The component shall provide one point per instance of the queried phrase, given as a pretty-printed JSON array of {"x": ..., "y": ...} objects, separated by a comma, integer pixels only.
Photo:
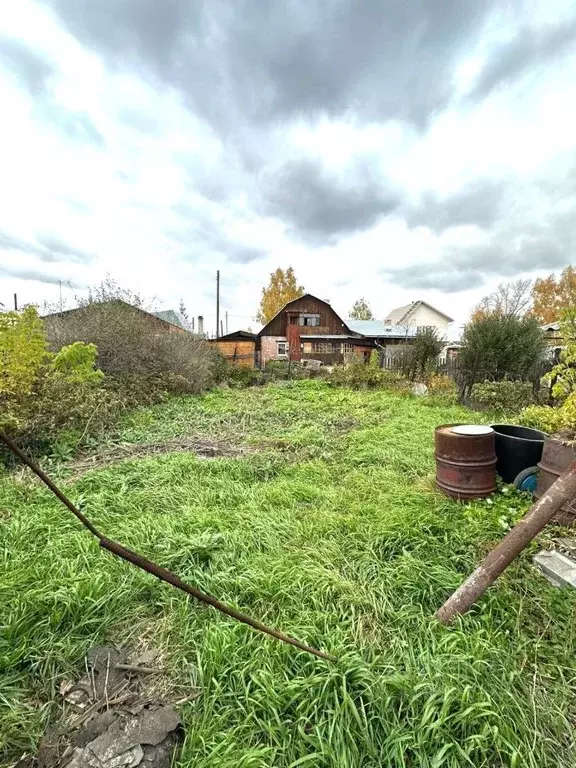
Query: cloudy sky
[{"x": 392, "y": 149}]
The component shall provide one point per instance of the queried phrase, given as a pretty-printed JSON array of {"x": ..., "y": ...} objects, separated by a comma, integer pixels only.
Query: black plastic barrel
[{"x": 517, "y": 448}]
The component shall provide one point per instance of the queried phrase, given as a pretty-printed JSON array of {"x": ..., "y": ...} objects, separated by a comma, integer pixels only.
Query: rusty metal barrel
[
  {"x": 465, "y": 461},
  {"x": 557, "y": 455}
]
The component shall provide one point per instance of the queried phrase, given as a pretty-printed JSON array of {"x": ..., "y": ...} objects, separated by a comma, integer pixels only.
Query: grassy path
[{"x": 331, "y": 531}]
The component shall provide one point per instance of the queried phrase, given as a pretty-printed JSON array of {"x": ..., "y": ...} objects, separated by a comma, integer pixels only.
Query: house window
[
  {"x": 347, "y": 348},
  {"x": 322, "y": 347},
  {"x": 309, "y": 320},
  {"x": 424, "y": 328},
  {"x": 282, "y": 348}
]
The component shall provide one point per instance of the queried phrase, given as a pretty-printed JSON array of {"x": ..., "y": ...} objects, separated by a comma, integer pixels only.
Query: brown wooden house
[
  {"x": 239, "y": 348},
  {"x": 308, "y": 328}
]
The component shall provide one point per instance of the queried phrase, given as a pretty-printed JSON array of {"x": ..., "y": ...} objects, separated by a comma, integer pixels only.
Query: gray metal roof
[
  {"x": 169, "y": 316},
  {"x": 379, "y": 329}
]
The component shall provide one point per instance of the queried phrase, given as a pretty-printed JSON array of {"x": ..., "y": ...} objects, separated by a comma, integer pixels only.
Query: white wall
[{"x": 423, "y": 315}]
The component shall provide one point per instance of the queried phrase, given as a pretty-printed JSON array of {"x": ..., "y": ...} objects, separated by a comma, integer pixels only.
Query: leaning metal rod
[{"x": 147, "y": 565}]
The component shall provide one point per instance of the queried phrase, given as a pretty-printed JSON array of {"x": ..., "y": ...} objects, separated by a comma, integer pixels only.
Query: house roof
[
  {"x": 237, "y": 335},
  {"x": 376, "y": 328},
  {"x": 304, "y": 295},
  {"x": 550, "y": 327},
  {"x": 399, "y": 314},
  {"x": 170, "y": 316}
]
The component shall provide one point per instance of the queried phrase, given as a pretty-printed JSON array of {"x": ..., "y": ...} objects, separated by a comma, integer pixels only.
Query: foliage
[
  {"x": 550, "y": 419},
  {"x": 563, "y": 375},
  {"x": 337, "y": 538},
  {"x": 76, "y": 363},
  {"x": 22, "y": 351},
  {"x": 110, "y": 290},
  {"x": 131, "y": 343},
  {"x": 281, "y": 289},
  {"x": 421, "y": 354},
  {"x": 502, "y": 346},
  {"x": 358, "y": 375},
  {"x": 512, "y": 299},
  {"x": 510, "y": 396},
  {"x": 361, "y": 310},
  {"x": 243, "y": 376},
  {"x": 442, "y": 386},
  {"x": 553, "y": 295}
]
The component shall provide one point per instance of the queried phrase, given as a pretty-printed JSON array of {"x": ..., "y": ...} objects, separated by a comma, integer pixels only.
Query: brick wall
[{"x": 268, "y": 348}]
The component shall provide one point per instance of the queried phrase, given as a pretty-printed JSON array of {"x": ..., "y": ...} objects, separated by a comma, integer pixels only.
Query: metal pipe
[
  {"x": 156, "y": 570},
  {"x": 511, "y": 545}
]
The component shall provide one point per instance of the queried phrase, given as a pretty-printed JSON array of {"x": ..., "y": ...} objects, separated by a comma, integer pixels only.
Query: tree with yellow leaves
[
  {"x": 281, "y": 289},
  {"x": 554, "y": 295}
]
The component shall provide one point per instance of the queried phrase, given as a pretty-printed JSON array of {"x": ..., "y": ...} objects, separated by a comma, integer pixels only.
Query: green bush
[
  {"x": 442, "y": 386},
  {"x": 550, "y": 419},
  {"x": 240, "y": 376},
  {"x": 76, "y": 364},
  {"x": 503, "y": 395},
  {"x": 357, "y": 374}
]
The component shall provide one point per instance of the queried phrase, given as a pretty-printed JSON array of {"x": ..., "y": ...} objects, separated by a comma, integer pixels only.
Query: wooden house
[
  {"x": 239, "y": 348},
  {"x": 308, "y": 328}
]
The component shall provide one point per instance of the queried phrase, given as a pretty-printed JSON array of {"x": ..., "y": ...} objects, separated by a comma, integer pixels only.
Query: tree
[
  {"x": 512, "y": 299},
  {"x": 361, "y": 310},
  {"x": 184, "y": 315},
  {"x": 552, "y": 295},
  {"x": 281, "y": 289},
  {"x": 497, "y": 346},
  {"x": 422, "y": 352}
]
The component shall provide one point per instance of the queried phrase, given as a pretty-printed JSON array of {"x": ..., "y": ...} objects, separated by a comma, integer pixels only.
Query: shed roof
[
  {"x": 237, "y": 336},
  {"x": 170, "y": 316}
]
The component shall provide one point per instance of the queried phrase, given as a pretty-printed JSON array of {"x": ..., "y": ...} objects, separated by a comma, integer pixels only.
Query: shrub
[
  {"x": 357, "y": 374},
  {"x": 550, "y": 419},
  {"x": 241, "y": 376},
  {"x": 419, "y": 356},
  {"x": 442, "y": 386},
  {"x": 76, "y": 364},
  {"x": 132, "y": 342},
  {"x": 503, "y": 395}
]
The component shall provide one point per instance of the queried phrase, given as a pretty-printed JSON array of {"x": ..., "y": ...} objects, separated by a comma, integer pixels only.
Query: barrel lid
[{"x": 472, "y": 429}]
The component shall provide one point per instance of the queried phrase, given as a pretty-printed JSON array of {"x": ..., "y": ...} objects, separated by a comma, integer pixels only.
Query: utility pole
[
  {"x": 16, "y": 302},
  {"x": 226, "y": 322},
  {"x": 60, "y": 284},
  {"x": 217, "y": 303}
]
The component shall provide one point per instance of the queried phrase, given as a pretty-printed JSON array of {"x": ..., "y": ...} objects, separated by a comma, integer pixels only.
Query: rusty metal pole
[{"x": 511, "y": 545}]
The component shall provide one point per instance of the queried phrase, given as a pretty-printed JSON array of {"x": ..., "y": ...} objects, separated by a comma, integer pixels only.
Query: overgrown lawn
[{"x": 331, "y": 530}]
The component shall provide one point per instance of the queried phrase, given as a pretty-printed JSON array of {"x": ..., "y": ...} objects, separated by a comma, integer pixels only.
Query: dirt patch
[
  {"x": 207, "y": 449},
  {"x": 113, "y": 716}
]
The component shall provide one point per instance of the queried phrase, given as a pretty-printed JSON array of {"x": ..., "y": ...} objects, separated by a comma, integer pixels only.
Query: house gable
[{"x": 306, "y": 309}]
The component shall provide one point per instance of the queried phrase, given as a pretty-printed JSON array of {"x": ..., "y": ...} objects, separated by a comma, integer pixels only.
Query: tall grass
[{"x": 333, "y": 533}]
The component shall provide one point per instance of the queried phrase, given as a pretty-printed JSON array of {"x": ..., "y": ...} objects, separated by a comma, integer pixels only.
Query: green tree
[
  {"x": 500, "y": 345},
  {"x": 563, "y": 375},
  {"x": 281, "y": 289},
  {"x": 420, "y": 355},
  {"x": 361, "y": 310}
]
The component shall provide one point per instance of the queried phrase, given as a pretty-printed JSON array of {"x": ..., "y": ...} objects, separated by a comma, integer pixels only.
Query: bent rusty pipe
[{"x": 156, "y": 570}]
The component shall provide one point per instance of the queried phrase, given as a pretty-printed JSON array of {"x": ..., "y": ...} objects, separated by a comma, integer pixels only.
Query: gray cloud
[
  {"x": 47, "y": 248},
  {"x": 33, "y": 70},
  {"x": 511, "y": 252},
  {"x": 34, "y": 274},
  {"x": 321, "y": 207},
  {"x": 530, "y": 48},
  {"x": 480, "y": 204},
  {"x": 379, "y": 59}
]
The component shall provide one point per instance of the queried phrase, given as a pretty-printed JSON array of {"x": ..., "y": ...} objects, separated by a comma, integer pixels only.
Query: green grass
[{"x": 332, "y": 532}]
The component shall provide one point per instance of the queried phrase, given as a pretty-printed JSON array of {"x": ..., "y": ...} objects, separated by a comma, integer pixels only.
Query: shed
[{"x": 238, "y": 347}]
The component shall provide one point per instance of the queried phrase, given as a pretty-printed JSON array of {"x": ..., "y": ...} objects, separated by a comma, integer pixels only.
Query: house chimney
[{"x": 200, "y": 325}]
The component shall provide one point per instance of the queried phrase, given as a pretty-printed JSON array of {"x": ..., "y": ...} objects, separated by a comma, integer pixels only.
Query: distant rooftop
[
  {"x": 379, "y": 329},
  {"x": 169, "y": 316}
]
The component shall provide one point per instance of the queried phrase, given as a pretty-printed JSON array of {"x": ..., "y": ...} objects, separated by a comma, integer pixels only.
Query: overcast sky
[{"x": 392, "y": 149}]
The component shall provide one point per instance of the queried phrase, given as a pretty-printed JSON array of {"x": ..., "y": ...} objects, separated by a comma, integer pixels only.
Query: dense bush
[
  {"x": 503, "y": 395},
  {"x": 357, "y": 374},
  {"x": 550, "y": 419},
  {"x": 501, "y": 346},
  {"x": 242, "y": 376},
  {"x": 442, "y": 386},
  {"x": 418, "y": 358},
  {"x": 131, "y": 342}
]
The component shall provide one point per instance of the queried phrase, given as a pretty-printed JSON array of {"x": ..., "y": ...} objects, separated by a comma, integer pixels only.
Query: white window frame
[{"x": 283, "y": 344}]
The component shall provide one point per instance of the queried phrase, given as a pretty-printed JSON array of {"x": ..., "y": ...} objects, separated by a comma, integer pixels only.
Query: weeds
[{"x": 342, "y": 543}]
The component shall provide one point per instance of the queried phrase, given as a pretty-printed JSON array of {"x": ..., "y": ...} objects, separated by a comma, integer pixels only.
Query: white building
[{"x": 420, "y": 315}]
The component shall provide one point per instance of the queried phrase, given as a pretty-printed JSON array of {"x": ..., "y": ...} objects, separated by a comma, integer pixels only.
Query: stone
[
  {"x": 557, "y": 568},
  {"x": 419, "y": 389}
]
